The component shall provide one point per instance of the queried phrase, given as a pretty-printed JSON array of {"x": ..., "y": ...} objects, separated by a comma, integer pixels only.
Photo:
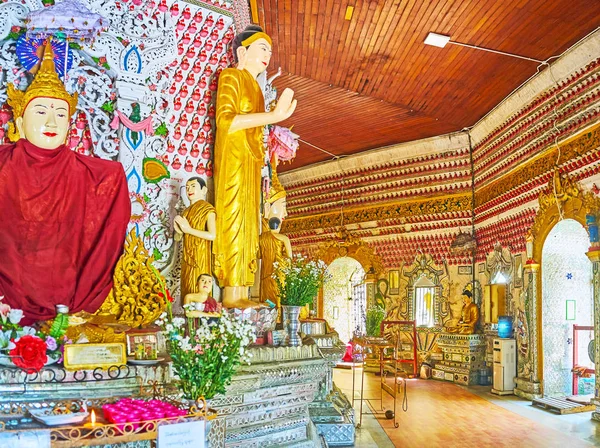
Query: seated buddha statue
[
  {"x": 469, "y": 316},
  {"x": 64, "y": 214}
]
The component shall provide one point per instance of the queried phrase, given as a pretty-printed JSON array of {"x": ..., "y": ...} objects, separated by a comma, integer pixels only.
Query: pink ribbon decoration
[{"x": 144, "y": 125}]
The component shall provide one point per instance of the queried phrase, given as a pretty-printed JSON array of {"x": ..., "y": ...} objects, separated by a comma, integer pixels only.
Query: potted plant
[
  {"x": 375, "y": 316},
  {"x": 297, "y": 287},
  {"x": 204, "y": 352}
]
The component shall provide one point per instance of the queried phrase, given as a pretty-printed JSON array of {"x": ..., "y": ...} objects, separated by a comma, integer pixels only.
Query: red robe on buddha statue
[{"x": 63, "y": 221}]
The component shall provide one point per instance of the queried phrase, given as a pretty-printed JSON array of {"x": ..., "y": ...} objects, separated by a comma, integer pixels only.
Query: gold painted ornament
[{"x": 134, "y": 300}]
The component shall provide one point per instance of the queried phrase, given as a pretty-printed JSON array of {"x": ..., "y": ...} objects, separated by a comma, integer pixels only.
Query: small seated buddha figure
[
  {"x": 469, "y": 316},
  {"x": 64, "y": 214},
  {"x": 201, "y": 304}
]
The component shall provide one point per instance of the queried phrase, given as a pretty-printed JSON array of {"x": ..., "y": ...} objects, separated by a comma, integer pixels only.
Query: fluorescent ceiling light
[{"x": 437, "y": 40}]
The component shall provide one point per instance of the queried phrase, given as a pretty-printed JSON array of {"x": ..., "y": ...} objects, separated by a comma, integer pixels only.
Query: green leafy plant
[
  {"x": 59, "y": 326},
  {"x": 375, "y": 316},
  {"x": 300, "y": 281}
]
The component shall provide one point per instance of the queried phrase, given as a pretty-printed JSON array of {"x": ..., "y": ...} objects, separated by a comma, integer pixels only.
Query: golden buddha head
[
  {"x": 205, "y": 283},
  {"x": 467, "y": 297},
  {"x": 42, "y": 113},
  {"x": 196, "y": 189},
  {"x": 252, "y": 49},
  {"x": 276, "y": 205}
]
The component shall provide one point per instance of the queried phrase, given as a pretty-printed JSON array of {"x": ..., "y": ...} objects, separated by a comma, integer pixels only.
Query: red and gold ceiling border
[
  {"x": 430, "y": 206},
  {"x": 585, "y": 145}
]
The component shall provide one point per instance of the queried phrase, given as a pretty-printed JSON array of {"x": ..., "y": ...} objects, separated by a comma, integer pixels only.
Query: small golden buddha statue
[
  {"x": 201, "y": 304},
  {"x": 469, "y": 316},
  {"x": 197, "y": 227},
  {"x": 275, "y": 252},
  {"x": 239, "y": 157}
]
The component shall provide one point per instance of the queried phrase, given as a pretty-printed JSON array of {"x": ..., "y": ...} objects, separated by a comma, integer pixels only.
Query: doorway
[
  {"x": 344, "y": 297},
  {"x": 567, "y": 300}
]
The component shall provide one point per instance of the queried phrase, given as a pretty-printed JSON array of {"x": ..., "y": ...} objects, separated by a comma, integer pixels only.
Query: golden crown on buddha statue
[
  {"x": 46, "y": 83},
  {"x": 277, "y": 191}
]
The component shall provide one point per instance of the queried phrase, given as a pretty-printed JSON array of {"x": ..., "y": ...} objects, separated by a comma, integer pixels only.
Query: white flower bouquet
[
  {"x": 301, "y": 281},
  {"x": 205, "y": 352}
]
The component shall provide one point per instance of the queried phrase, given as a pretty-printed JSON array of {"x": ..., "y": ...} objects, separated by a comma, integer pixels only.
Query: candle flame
[{"x": 93, "y": 418}]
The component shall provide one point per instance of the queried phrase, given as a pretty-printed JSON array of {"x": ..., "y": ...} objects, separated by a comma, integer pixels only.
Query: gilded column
[
  {"x": 594, "y": 257},
  {"x": 528, "y": 379}
]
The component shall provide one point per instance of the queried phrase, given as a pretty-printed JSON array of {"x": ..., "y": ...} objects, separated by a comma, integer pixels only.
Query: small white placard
[
  {"x": 182, "y": 435},
  {"x": 25, "y": 439}
]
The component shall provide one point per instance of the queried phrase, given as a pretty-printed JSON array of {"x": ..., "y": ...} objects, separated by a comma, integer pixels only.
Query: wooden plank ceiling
[{"x": 370, "y": 81}]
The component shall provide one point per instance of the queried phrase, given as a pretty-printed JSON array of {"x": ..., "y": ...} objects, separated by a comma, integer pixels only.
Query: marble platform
[{"x": 285, "y": 398}]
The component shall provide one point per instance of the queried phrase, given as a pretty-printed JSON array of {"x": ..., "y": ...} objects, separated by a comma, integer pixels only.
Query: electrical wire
[
  {"x": 495, "y": 51},
  {"x": 320, "y": 149},
  {"x": 404, "y": 397},
  {"x": 334, "y": 158}
]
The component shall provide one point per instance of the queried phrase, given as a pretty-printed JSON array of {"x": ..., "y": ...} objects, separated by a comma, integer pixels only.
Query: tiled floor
[{"x": 446, "y": 415}]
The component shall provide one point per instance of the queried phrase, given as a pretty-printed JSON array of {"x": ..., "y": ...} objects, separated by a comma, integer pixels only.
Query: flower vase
[{"x": 291, "y": 323}]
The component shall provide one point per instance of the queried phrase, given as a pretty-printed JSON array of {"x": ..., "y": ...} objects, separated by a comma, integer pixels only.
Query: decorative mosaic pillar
[
  {"x": 528, "y": 379},
  {"x": 594, "y": 257}
]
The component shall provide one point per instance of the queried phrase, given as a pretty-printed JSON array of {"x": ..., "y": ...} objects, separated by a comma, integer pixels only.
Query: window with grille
[{"x": 424, "y": 290}]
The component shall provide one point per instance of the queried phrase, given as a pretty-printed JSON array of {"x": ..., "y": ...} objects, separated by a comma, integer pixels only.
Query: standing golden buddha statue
[
  {"x": 197, "y": 227},
  {"x": 274, "y": 247},
  {"x": 239, "y": 157}
]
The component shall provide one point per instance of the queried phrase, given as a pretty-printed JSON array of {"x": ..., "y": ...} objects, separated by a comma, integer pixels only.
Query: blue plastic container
[{"x": 505, "y": 326}]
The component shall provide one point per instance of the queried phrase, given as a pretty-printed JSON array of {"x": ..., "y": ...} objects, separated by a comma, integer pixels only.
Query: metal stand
[{"x": 388, "y": 368}]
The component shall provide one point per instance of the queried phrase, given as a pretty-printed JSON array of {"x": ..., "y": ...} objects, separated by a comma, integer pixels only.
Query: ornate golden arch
[
  {"x": 347, "y": 245},
  {"x": 563, "y": 199}
]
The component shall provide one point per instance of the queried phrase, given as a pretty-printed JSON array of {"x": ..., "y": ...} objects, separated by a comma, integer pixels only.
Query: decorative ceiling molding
[
  {"x": 580, "y": 146},
  {"x": 430, "y": 206}
]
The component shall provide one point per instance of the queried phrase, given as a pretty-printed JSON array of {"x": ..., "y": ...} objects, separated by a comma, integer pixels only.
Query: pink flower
[
  {"x": 4, "y": 309},
  {"x": 51, "y": 343}
]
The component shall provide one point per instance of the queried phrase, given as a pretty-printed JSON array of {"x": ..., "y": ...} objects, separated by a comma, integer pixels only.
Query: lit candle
[{"x": 93, "y": 418}]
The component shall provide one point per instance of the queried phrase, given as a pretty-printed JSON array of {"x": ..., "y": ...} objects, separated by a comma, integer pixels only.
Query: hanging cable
[{"x": 320, "y": 149}]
